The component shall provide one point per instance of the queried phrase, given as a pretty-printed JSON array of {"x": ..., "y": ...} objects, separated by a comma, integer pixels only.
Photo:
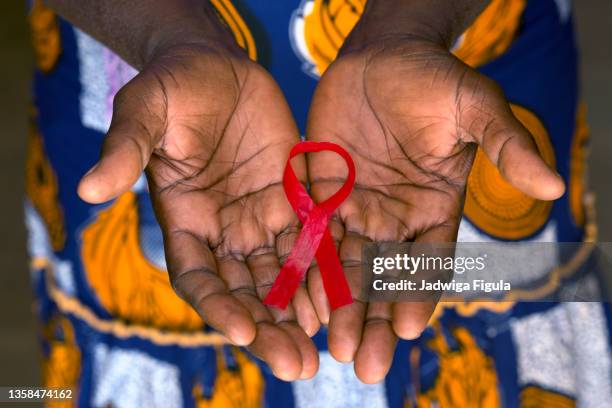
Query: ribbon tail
[
  {"x": 332, "y": 274},
  {"x": 304, "y": 249},
  {"x": 284, "y": 285}
]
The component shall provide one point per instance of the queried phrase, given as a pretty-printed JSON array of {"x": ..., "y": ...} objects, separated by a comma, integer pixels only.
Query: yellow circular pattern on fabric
[
  {"x": 230, "y": 16},
  {"x": 241, "y": 386},
  {"x": 45, "y": 34},
  {"x": 466, "y": 375},
  {"x": 327, "y": 26},
  {"x": 498, "y": 208},
  {"x": 42, "y": 187},
  {"x": 61, "y": 365},
  {"x": 491, "y": 33}
]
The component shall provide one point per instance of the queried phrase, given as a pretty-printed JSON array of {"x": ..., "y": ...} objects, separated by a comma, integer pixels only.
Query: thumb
[
  {"x": 510, "y": 146},
  {"x": 127, "y": 146}
]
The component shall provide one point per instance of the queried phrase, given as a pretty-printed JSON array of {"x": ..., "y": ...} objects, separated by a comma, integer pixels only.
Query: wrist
[
  {"x": 439, "y": 22},
  {"x": 202, "y": 29}
]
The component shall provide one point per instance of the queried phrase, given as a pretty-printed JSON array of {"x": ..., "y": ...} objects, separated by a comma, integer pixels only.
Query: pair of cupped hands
[{"x": 213, "y": 131}]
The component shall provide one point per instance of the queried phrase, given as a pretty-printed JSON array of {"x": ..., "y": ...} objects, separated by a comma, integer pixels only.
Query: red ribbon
[{"x": 314, "y": 240}]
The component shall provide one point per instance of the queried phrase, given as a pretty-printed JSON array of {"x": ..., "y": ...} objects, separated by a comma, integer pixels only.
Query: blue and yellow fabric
[{"x": 112, "y": 329}]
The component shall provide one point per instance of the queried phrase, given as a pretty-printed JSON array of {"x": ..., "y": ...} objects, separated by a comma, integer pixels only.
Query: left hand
[{"x": 412, "y": 116}]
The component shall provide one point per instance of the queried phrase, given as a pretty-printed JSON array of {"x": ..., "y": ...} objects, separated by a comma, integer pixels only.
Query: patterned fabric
[{"x": 112, "y": 328}]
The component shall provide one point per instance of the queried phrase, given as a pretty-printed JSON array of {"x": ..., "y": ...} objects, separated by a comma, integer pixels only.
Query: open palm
[
  {"x": 412, "y": 116},
  {"x": 213, "y": 131}
]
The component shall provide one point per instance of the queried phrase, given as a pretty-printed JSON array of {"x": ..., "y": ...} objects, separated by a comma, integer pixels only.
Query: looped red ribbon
[{"x": 314, "y": 240}]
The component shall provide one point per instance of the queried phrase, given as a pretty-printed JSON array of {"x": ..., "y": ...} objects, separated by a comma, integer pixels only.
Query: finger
[
  {"x": 314, "y": 282},
  {"x": 264, "y": 268},
  {"x": 510, "y": 146},
  {"x": 345, "y": 329},
  {"x": 286, "y": 361},
  {"x": 411, "y": 318},
  {"x": 273, "y": 344},
  {"x": 193, "y": 275},
  {"x": 375, "y": 354},
  {"x": 138, "y": 119},
  {"x": 346, "y": 323},
  {"x": 308, "y": 351},
  {"x": 302, "y": 304},
  {"x": 305, "y": 312}
]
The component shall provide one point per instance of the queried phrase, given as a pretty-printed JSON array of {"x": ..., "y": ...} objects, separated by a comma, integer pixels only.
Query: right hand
[{"x": 213, "y": 131}]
